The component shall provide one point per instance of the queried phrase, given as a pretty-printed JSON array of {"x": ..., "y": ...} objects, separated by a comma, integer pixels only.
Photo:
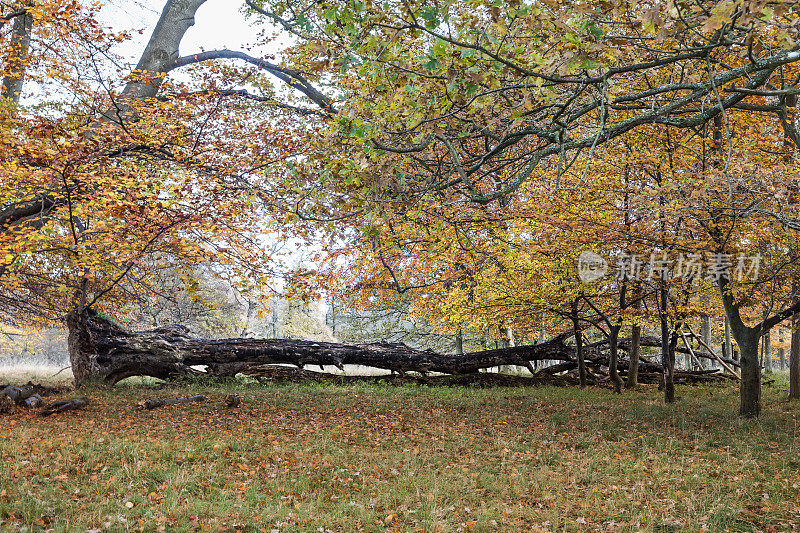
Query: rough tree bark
[
  {"x": 728, "y": 346},
  {"x": 705, "y": 333},
  {"x": 669, "y": 374},
  {"x": 794, "y": 359},
  {"x": 634, "y": 353},
  {"x": 17, "y": 54},
  {"x": 747, "y": 338},
  {"x": 766, "y": 352},
  {"x": 576, "y": 325},
  {"x": 613, "y": 359},
  {"x": 112, "y": 353},
  {"x": 750, "y": 390}
]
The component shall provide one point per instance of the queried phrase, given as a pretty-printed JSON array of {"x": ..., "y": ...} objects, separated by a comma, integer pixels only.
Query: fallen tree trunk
[
  {"x": 655, "y": 342},
  {"x": 115, "y": 353},
  {"x": 170, "y": 352}
]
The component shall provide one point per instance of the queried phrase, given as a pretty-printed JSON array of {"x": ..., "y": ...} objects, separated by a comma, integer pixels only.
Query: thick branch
[{"x": 292, "y": 78}]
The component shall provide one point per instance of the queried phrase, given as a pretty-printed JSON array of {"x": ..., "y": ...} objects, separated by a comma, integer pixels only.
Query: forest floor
[{"x": 378, "y": 458}]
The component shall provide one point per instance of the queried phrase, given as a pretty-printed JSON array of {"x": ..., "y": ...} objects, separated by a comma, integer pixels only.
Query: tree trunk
[
  {"x": 728, "y": 345},
  {"x": 669, "y": 365},
  {"x": 333, "y": 319},
  {"x": 576, "y": 326},
  {"x": 748, "y": 338},
  {"x": 634, "y": 353},
  {"x": 669, "y": 374},
  {"x": 80, "y": 348},
  {"x": 750, "y": 389},
  {"x": 794, "y": 359},
  {"x": 705, "y": 334},
  {"x": 102, "y": 349},
  {"x": 159, "y": 55},
  {"x": 767, "y": 352},
  {"x": 17, "y": 55},
  {"x": 613, "y": 358}
]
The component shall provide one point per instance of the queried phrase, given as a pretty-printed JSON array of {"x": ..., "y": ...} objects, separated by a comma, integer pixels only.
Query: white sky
[{"x": 218, "y": 24}]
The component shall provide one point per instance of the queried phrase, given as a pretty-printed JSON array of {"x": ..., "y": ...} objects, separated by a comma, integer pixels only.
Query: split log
[
  {"x": 63, "y": 406},
  {"x": 11, "y": 397},
  {"x": 41, "y": 390},
  {"x": 155, "y": 403},
  {"x": 18, "y": 394}
]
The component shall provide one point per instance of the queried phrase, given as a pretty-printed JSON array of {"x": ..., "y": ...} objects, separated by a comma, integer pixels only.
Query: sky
[{"x": 218, "y": 24}]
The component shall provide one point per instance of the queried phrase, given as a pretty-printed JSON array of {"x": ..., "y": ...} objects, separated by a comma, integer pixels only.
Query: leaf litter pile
[{"x": 383, "y": 458}]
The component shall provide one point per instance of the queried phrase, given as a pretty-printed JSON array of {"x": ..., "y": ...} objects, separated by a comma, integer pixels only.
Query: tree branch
[{"x": 292, "y": 78}]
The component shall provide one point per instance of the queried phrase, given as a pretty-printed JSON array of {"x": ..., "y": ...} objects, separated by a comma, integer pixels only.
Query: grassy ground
[{"x": 377, "y": 458}]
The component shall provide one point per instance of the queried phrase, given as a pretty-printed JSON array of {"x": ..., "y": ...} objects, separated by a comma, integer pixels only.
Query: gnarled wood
[{"x": 114, "y": 353}]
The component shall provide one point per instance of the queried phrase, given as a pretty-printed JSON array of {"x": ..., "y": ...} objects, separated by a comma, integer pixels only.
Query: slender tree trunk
[
  {"x": 794, "y": 359},
  {"x": 767, "y": 352},
  {"x": 334, "y": 325},
  {"x": 705, "y": 334},
  {"x": 459, "y": 343},
  {"x": 728, "y": 345},
  {"x": 633, "y": 368},
  {"x": 576, "y": 324},
  {"x": 782, "y": 358},
  {"x": 613, "y": 359},
  {"x": 669, "y": 364},
  {"x": 666, "y": 349}
]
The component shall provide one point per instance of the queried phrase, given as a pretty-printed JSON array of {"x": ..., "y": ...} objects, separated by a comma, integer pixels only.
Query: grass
[{"x": 383, "y": 458}]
